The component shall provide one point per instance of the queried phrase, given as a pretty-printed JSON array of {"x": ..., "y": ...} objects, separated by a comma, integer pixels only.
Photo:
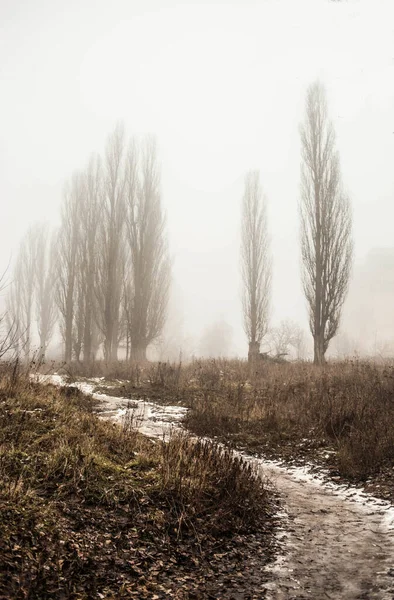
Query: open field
[
  {"x": 340, "y": 416},
  {"x": 93, "y": 510}
]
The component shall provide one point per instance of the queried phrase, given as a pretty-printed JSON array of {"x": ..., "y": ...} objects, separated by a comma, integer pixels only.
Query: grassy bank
[
  {"x": 89, "y": 509},
  {"x": 340, "y": 416}
]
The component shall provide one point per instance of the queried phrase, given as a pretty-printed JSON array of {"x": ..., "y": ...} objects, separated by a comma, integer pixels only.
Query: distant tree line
[{"x": 104, "y": 275}]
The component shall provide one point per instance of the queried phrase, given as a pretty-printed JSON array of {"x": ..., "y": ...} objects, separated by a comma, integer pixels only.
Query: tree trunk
[
  {"x": 114, "y": 351},
  {"x": 68, "y": 325},
  {"x": 87, "y": 338},
  {"x": 138, "y": 353},
  {"x": 107, "y": 350},
  {"x": 254, "y": 351},
  {"x": 68, "y": 345},
  {"x": 127, "y": 346},
  {"x": 43, "y": 344},
  {"x": 318, "y": 349},
  {"x": 27, "y": 350}
]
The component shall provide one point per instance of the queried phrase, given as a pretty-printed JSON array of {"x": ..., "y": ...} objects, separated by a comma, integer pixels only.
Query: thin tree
[
  {"x": 87, "y": 256},
  {"x": 44, "y": 281},
  {"x": 111, "y": 240},
  {"x": 10, "y": 326},
  {"x": 148, "y": 246},
  {"x": 127, "y": 304},
  {"x": 10, "y": 320},
  {"x": 255, "y": 263},
  {"x": 67, "y": 260},
  {"x": 326, "y": 224},
  {"x": 22, "y": 291},
  {"x": 78, "y": 326}
]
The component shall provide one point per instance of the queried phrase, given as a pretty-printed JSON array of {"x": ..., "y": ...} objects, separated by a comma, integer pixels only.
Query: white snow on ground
[
  {"x": 152, "y": 420},
  {"x": 306, "y": 475}
]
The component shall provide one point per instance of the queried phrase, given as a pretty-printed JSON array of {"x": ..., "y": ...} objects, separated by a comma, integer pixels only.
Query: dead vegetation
[
  {"x": 346, "y": 406},
  {"x": 288, "y": 410},
  {"x": 92, "y": 510}
]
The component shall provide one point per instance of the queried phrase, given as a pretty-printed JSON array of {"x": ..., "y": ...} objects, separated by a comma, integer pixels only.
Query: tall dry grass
[
  {"x": 79, "y": 494},
  {"x": 349, "y": 404}
]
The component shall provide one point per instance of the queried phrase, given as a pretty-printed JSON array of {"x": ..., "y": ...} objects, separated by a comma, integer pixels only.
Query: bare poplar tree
[
  {"x": 131, "y": 191},
  {"x": 111, "y": 241},
  {"x": 22, "y": 291},
  {"x": 86, "y": 330},
  {"x": 67, "y": 260},
  {"x": 149, "y": 257},
  {"x": 255, "y": 263},
  {"x": 326, "y": 224},
  {"x": 44, "y": 282}
]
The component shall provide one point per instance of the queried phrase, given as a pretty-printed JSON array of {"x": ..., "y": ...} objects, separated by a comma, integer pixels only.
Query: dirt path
[
  {"x": 333, "y": 547},
  {"x": 334, "y": 544}
]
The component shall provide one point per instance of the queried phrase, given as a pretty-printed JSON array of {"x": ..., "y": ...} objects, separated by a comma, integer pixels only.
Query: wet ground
[{"x": 333, "y": 547}]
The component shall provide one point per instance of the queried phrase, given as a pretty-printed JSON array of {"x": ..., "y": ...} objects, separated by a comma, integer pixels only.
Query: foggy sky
[{"x": 222, "y": 85}]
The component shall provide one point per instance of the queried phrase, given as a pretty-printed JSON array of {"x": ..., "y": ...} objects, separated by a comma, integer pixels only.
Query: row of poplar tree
[{"x": 104, "y": 274}]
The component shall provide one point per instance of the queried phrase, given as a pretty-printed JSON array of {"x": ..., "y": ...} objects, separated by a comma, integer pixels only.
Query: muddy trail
[
  {"x": 335, "y": 542},
  {"x": 333, "y": 547}
]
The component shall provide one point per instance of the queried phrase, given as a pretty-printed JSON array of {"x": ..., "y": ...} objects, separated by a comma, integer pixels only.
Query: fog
[{"x": 222, "y": 86}]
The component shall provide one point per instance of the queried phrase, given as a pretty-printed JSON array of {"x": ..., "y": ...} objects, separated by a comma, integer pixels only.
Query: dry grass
[
  {"x": 81, "y": 498},
  {"x": 201, "y": 474},
  {"x": 348, "y": 406}
]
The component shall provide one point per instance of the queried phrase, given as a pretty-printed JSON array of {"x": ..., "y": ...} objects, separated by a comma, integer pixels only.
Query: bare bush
[{"x": 285, "y": 338}]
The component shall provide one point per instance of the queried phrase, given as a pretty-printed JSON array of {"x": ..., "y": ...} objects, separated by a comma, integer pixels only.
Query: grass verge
[{"x": 92, "y": 510}]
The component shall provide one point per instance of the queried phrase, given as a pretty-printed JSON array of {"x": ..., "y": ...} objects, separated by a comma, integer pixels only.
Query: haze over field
[{"x": 222, "y": 86}]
